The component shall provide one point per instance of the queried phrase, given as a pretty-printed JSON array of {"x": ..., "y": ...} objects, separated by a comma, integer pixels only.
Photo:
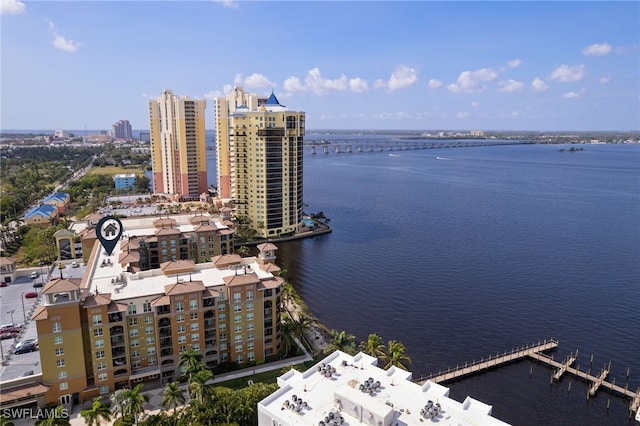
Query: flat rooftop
[{"x": 316, "y": 397}]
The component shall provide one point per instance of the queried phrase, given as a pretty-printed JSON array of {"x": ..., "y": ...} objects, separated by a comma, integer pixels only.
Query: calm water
[{"x": 459, "y": 253}]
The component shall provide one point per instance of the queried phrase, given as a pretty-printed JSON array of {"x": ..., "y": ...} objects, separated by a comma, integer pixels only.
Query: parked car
[
  {"x": 10, "y": 334},
  {"x": 30, "y": 295},
  {"x": 4, "y": 284},
  {"x": 37, "y": 285},
  {"x": 9, "y": 327},
  {"x": 34, "y": 275},
  {"x": 25, "y": 346},
  {"x": 75, "y": 265}
]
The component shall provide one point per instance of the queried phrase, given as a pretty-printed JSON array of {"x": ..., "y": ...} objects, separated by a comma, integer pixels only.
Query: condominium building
[
  {"x": 122, "y": 324},
  {"x": 178, "y": 151},
  {"x": 121, "y": 129},
  {"x": 346, "y": 390},
  {"x": 124, "y": 181},
  {"x": 260, "y": 161}
]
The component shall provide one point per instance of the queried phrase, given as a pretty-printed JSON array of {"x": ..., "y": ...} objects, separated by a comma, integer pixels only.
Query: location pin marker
[{"x": 108, "y": 231}]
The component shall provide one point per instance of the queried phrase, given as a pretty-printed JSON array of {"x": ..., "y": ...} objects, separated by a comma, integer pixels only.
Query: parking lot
[{"x": 18, "y": 310}]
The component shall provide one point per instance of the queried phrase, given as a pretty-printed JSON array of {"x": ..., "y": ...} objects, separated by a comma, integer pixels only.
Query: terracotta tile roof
[
  {"x": 228, "y": 223},
  {"x": 40, "y": 314},
  {"x": 160, "y": 301},
  {"x": 116, "y": 307},
  {"x": 177, "y": 266},
  {"x": 267, "y": 246},
  {"x": 270, "y": 267},
  {"x": 241, "y": 279},
  {"x": 62, "y": 284},
  {"x": 205, "y": 227},
  {"x": 274, "y": 282},
  {"x": 131, "y": 257},
  {"x": 97, "y": 300},
  {"x": 167, "y": 231},
  {"x": 208, "y": 292},
  {"x": 199, "y": 219},
  {"x": 89, "y": 234},
  {"x": 225, "y": 260},
  {"x": 164, "y": 223},
  {"x": 24, "y": 391},
  {"x": 184, "y": 287},
  {"x": 7, "y": 260},
  {"x": 93, "y": 217},
  {"x": 226, "y": 231}
]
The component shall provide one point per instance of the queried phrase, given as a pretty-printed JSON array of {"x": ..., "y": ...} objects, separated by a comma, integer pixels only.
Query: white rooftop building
[{"x": 351, "y": 390}]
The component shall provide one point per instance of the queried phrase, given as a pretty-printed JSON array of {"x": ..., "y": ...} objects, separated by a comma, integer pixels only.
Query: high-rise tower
[
  {"x": 178, "y": 151},
  {"x": 260, "y": 161}
]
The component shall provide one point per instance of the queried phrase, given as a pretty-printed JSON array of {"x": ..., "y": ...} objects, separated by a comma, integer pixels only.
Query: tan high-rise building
[
  {"x": 260, "y": 161},
  {"x": 178, "y": 150}
]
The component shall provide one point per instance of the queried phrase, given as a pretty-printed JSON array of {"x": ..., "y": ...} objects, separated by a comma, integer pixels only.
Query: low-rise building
[
  {"x": 41, "y": 214},
  {"x": 345, "y": 389},
  {"x": 125, "y": 181},
  {"x": 7, "y": 269}
]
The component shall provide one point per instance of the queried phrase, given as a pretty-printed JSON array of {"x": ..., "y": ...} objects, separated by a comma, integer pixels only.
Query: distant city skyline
[{"x": 418, "y": 65}]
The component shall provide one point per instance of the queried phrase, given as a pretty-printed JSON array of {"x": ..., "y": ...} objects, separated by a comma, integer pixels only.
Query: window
[
  {"x": 59, "y": 351},
  {"x": 182, "y": 339},
  {"x": 136, "y": 364},
  {"x": 250, "y": 317},
  {"x": 150, "y": 340},
  {"x": 237, "y": 308},
  {"x": 101, "y": 365},
  {"x": 97, "y": 332},
  {"x": 249, "y": 294},
  {"x": 148, "y": 319},
  {"x": 249, "y": 306},
  {"x": 194, "y": 316},
  {"x": 223, "y": 336},
  {"x": 135, "y": 343},
  {"x": 250, "y": 336},
  {"x": 239, "y": 359},
  {"x": 222, "y": 326},
  {"x": 251, "y": 356},
  {"x": 63, "y": 386},
  {"x": 100, "y": 354},
  {"x": 250, "y": 326},
  {"x": 133, "y": 332},
  {"x": 237, "y": 318},
  {"x": 180, "y": 318},
  {"x": 195, "y": 337},
  {"x": 221, "y": 306},
  {"x": 251, "y": 345},
  {"x": 181, "y": 329},
  {"x": 97, "y": 320},
  {"x": 102, "y": 377},
  {"x": 238, "y": 348},
  {"x": 179, "y": 306},
  {"x": 193, "y": 304},
  {"x": 182, "y": 349},
  {"x": 56, "y": 326},
  {"x": 238, "y": 329},
  {"x": 222, "y": 317},
  {"x": 131, "y": 309},
  {"x": 151, "y": 351},
  {"x": 152, "y": 361},
  {"x": 223, "y": 346},
  {"x": 57, "y": 340},
  {"x": 237, "y": 297},
  {"x": 148, "y": 330},
  {"x": 133, "y": 321},
  {"x": 104, "y": 390},
  {"x": 60, "y": 363},
  {"x": 135, "y": 353},
  {"x": 100, "y": 343},
  {"x": 238, "y": 338},
  {"x": 195, "y": 326},
  {"x": 146, "y": 307}
]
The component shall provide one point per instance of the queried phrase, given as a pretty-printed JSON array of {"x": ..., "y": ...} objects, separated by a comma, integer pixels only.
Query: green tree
[
  {"x": 98, "y": 411},
  {"x": 118, "y": 402},
  {"x": 198, "y": 388},
  {"x": 57, "y": 418},
  {"x": 396, "y": 355},
  {"x": 340, "y": 340},
  {"x": 173, "y": 396},
  {"x": 134, "y": 401},
  {"x": 243, "y": 251},
  {"x": 374, "y": 346},
  {"x": 191, "y": 360}
]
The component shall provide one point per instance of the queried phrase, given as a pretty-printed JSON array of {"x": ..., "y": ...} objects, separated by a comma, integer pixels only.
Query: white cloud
[
  {"x": 293, "y": 84},
  {"x": 60, "y": 42},
  {"x": 212, "y": 94},
  {"x": 253, "y": 81},
  {"x": 434, "y": 84},
  {"x": 358, "y": 85},
  {"x": 474, "y": 104},
  {"x": 598, "y": 49},
  {"x": 605, "y": 79},
  {"x": 379, "y": 84},
  {"x": 571, "y": 95},
  {"x": 12, "y": 7},
  {"x": 515, "y": 63},
  {"x": 228, "y": 3},
  {"x": 462, "y": 115},
  {"x": 566, "y": 74},
  {"x": 402, "y": 77},
  {"x": 470, "y": 81},
  {"x": 539, "y": 85},
  {"x": 510, "y": 86}
]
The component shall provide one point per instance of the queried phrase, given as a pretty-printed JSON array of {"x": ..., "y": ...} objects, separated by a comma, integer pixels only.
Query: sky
[{"x": 416, "y": 65}]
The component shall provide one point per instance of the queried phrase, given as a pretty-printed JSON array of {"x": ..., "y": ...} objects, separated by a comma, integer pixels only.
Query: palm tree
[
  {"x": 173, "y": 396},
  {"x": 198, "y": 387},
  {"x": 57, "y": 418},
  {"x": 287, "y": 331},
  {"x": 243, "y": 251},
  {"x": 374, "y": 346},
  {"x": 134, "y": 401},
  {"x": 6, "y": 422},
  {"x": 118, "y": 402},
  {"x": 396, "y": 356},
  {"x": 98, "y": 410},
  {"x": 192, "y": 360},
  {"x": 342, "y": 341}
]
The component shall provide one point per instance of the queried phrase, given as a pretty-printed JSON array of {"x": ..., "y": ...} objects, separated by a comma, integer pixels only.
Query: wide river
[{"x": 464, "y": 252}]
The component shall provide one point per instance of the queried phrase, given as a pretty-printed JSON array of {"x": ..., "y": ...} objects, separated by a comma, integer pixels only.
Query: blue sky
[{"x": 348, "y": 64}]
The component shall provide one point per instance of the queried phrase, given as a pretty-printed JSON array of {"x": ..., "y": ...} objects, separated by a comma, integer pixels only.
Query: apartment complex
[
  {"x": 125, "y": 322},
  {"x": 121, "y": 129},
  {"x": 260, "y": 161},
  {"x": 345, "y": 389},
  {"x": 178, "y": 151}
]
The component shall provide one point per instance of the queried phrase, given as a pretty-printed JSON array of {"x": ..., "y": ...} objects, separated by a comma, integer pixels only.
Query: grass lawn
[
  {"x": 113, "y": 170},
  {"x": 266, "y": 377}
]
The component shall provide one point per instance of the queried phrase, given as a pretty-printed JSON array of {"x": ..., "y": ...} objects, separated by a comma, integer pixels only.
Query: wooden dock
[
  {"x": 537, "y": 352},
  {"x": 493, "y": 361}
]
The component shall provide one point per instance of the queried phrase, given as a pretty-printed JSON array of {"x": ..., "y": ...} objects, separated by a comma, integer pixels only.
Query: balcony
[
  {"x": 166, "y": 352},
  {"x": 118, "y": 362},
  {"x": 116, "y": 330},
  {"x": 117, "y": 341},
  {"x": 166, "y": 342},
  {"x": 118, "y": 352},
  {"x": 164, "y": 331},
  {"x": 164, "y": 322},
  {"x": 209, "y": 334},
  {"x": 116, "y": 317},
  {"x": 163, "y": 310},
  {"x": 209, "y": 323}
]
